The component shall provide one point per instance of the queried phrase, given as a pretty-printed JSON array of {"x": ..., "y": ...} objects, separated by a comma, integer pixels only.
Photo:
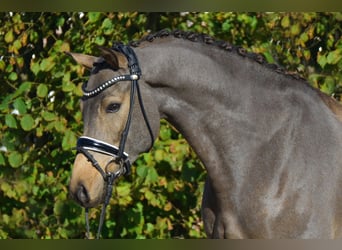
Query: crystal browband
[{"x": 107, "y": 84}]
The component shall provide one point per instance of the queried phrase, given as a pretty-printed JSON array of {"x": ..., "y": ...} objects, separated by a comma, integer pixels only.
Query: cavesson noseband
[{"x": 119, "y": 156}]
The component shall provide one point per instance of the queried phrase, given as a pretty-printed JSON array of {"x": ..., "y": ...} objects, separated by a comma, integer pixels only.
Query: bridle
[{"x": 118, "y": 154}]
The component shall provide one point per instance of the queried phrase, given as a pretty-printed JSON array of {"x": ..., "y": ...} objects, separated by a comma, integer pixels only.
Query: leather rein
[{"x": 118, "y": 154}]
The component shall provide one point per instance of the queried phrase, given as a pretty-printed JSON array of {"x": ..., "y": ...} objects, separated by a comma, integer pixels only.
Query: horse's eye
[{"x": 113, "y": 107}]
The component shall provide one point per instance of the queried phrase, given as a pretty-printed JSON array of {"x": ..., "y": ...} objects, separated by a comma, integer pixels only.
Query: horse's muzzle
[{"x": 86, "y": 185}]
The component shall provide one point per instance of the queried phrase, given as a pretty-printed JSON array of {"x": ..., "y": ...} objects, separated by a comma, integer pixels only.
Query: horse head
[{"x": 114, "y": 129}]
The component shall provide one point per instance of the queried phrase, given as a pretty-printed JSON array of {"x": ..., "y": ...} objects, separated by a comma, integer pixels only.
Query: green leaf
[
  {"x": 25, "y": 86},
  {"x": 152, "y": 175},
  {"x": 49, "y": 116},
  {"x": 15, "y": 159},
  {"x": 47, "y": 64},
  {"x": 328, "y": 86},
  {"x": 165, "y": 133},
  {"x": 5, "y": 187},
  {"x": 10, "y": 121},
  {"x": 304, "y": 37},
  {"x": 2, "y": 65},
  {"x": 107, "y": 26},
  {"x": 149, "y": 195},
  {"x": 39, "y": 131},
  {"x": 42, "y": 90},
  {"x": 9, "y": 37},
  {"x": 226, "y": 26},
  {"x": 100, "y": 40},
  {"x": 285, "y": 22},
  {"x": 27, "y": 122},
  {"x": 60, "y": 21},
  {"x": 269, "y": 57},
  {"x": 69, "y": 140},
  {"x": 67, "y": 86},
  {"x": 35, "y": 68},
  {"x": 20, "y": 105},
  {"x": 123, "y": 190},
  {"x": 295, "y": 29},
  {"x": 13, "y": 76},
  {"x": 159, "y": 155},
  {"x": 334, "y": 57},
  {"x": 9, "y": 68},
  {"x": 307, "y": 54},
  {"x": 141, "y": 171},
  {"x": 314, "y": 79},
  {"x": 34, "y": 36},
  {"x": 2, "y": 160},
  {"x": 58, "y": 208},
  {"x": 64, "y": 47},
  {"x": 93, "y": 16},
  {"x": 17, "y": 44},
  {"x": 59, "y": 126},
  {"x": 321, "y": 60}
]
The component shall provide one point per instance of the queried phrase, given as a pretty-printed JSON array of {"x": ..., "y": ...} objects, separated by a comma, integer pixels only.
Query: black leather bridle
[{"x": 118, "y": 154}]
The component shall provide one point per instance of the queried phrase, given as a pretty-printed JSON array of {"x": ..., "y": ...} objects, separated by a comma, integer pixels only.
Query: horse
[{"x": 270, "y": 143}]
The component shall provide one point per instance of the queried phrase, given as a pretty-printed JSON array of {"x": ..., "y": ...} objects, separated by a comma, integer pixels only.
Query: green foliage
[{"x": 40, "y": 117}]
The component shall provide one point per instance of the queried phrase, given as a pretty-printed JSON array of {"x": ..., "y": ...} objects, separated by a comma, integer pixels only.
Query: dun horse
[{"x": 270, "y": 143}]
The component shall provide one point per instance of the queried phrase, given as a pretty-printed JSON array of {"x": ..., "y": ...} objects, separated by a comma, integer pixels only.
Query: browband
[{"x": 91, "y": 93}]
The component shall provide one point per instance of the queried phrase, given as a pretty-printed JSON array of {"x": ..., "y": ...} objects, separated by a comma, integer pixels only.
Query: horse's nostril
[{"x": 82, "y": 195}]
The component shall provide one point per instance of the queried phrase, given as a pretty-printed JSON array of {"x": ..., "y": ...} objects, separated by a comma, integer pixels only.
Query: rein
[{"x": 119, "y": 156}]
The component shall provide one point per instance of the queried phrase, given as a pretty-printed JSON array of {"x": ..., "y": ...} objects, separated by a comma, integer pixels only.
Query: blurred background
[{"x": 40, "y": 118}]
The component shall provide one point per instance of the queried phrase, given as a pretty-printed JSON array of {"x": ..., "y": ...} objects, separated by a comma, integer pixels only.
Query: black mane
[{"x": 206, "y": 39}]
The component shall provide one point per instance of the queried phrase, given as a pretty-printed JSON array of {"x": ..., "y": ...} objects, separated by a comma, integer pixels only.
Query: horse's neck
[
  {"x": 203, "y": 81},
  {"x": 222, "y": 102},
  {"x": 196, "y": 90}
]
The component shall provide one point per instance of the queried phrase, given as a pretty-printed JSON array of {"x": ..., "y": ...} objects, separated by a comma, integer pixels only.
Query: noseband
[{"x": 119, "y": 156}]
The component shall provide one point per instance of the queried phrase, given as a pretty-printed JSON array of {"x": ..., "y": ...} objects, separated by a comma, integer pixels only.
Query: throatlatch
[{"x": 85, "y": 144}]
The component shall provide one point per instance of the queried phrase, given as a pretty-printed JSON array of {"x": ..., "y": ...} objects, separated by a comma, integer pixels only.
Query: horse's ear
[
  {"x": 85, "y": 60},
  {"x": 115, "y": 59}
]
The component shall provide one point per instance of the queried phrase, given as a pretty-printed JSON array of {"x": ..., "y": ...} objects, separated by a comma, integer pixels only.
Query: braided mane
[{"x": 206, "y": 39}]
